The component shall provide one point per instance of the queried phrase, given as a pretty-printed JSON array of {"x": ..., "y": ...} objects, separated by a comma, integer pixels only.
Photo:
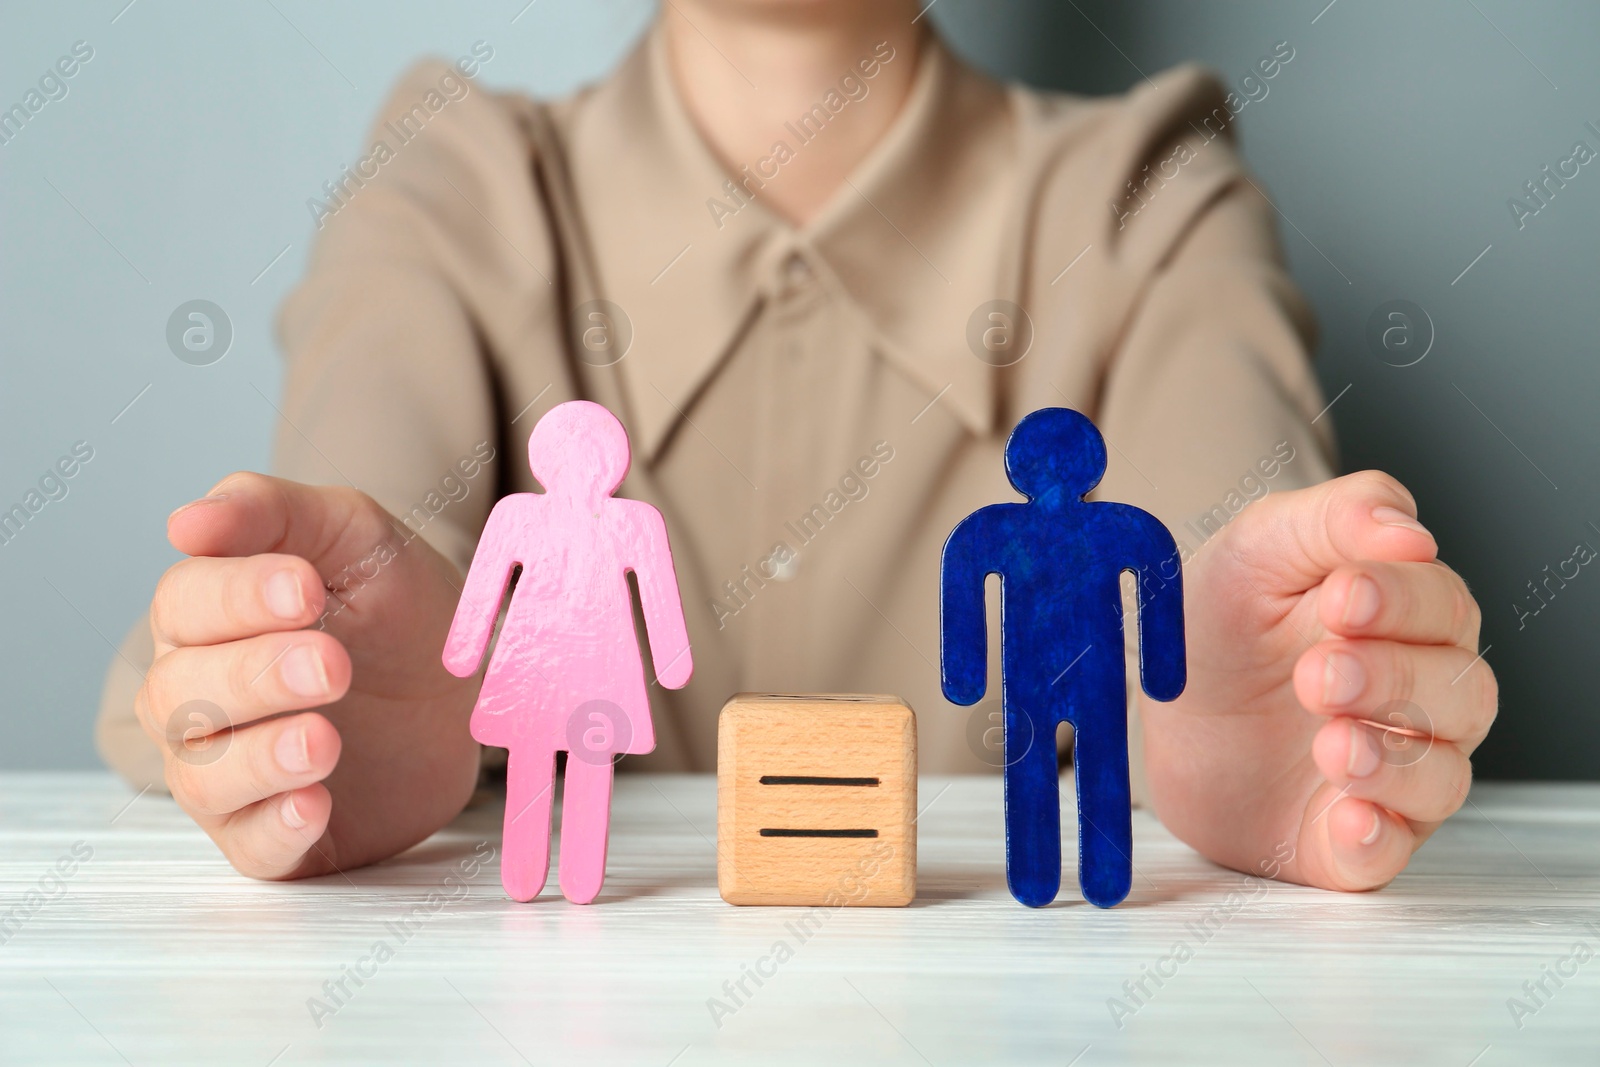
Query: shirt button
[
  {"x": 784, "y": 570},
  {"x": 797, "y": 273}
]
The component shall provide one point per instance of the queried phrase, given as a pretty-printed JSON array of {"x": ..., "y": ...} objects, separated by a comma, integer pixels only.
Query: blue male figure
[{"x": 1060, "y": 560}]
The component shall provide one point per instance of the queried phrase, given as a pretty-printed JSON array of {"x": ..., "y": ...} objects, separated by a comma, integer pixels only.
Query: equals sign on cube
[{"x": 817, "y": 800}]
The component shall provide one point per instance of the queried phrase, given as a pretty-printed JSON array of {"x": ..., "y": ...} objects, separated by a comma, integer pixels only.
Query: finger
[
  {"x": 254, "y": 763},
  {"x": 1440, "y": 690},
  {"x": 247, "y": 514},
  {"x": 195, "y": 691},
  {"x": 206, "y": 600},
  {"x": 278, "y": 837},
  {"x": 1367, "y": 846},
  {"x": 1351, "y": 844},
  {"x": 1425, "y": 603},
  {"x": 1424, "y": 780},
  {"x": 1294, "y": 540}
]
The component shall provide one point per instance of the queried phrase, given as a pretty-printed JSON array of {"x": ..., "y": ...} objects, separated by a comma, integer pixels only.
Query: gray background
[{"x": 179, "y": 163}]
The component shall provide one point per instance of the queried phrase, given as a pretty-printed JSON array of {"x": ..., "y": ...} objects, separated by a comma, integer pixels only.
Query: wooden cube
[{"x": 817, "y": 800}]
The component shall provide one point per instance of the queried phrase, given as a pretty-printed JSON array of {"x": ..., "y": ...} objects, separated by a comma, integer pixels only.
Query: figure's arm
[
  {"x": 1163, "y": 668},
  {"x": 964, "y": 637},
  {"x": 482, "y": 594},
  {"x": 664, "y": 624}
]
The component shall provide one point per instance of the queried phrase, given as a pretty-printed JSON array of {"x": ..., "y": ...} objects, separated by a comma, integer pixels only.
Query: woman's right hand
[{"x": 385, "y": 759}]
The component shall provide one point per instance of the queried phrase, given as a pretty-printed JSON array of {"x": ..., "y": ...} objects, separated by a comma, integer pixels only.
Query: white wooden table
[{"x": 153, "y": 951}]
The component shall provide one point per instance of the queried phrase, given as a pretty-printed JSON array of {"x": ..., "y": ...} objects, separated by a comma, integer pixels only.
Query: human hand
[
  {"x": 1313, "y": 611},
  {"x": 386, "y": 760}
]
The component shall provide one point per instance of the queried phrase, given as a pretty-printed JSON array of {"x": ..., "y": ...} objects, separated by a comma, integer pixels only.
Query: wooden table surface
[{"x": 153, "y": 951}]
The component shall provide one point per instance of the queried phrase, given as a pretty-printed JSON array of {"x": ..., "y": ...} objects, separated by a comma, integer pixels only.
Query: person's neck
[{"x": 744, "y": 70}]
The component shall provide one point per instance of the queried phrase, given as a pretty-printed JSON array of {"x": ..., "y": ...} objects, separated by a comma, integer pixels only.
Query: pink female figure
[{"x": 566, "y": 673}]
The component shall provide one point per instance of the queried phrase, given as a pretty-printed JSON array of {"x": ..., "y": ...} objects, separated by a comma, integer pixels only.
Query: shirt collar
[{"x": 912, "y": 245}]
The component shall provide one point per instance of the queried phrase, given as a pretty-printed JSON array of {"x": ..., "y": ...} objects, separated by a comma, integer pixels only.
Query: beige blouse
[{"x": 813, "y": 409}]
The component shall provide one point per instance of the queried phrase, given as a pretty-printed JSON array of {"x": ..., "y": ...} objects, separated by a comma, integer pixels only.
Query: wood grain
[
  {"x": 817, "y": 800},
  {"x": 154, "y": 952}
]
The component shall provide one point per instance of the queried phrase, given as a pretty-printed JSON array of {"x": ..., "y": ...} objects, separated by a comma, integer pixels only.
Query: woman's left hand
[{"x": 1313, "y": 615}]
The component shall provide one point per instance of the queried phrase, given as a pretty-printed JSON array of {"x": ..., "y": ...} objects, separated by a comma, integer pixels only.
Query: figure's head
[
  {"x": 1055, "y": 449},
  {"x": 578, "y": 448}
]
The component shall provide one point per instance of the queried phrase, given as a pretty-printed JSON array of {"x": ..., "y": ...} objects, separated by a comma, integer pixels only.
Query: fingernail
[
  {"x": 1364, "y": 756},
  {"x": 1377, "y": 828},
  {"x": 1343, "y": 679},
  {"x": 215, "y": 498},
  {"x": 1388, "y": 516},
  {"x": 291, "y": 751},
  {"x": 1361, "y": 602},
  {"x": 285, "y": 598},
  {"x": 291, "y": 814},
  {"x": 303, "y": 673}
]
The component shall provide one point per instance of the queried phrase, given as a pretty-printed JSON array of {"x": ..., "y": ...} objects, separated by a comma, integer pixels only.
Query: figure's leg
[
  {"x": 1033, "y": 813},
  {"x": 585, "y": 825},
  {"x": 1105, "y": 807},
  {"x": 525, "y": 851}
]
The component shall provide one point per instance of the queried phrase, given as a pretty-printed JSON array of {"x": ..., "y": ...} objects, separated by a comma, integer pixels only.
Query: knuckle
[
  {"x": 246, "y": 853},
  {"x": 1465, "y": 615},
  {"x": 1402, "y": 673},
  {"x": 242, "y": 481},
  {"x": 237, "y": 674},
  {"x": 1376, "y": 483},
  {"x": 261, "y": 769},
  {"x": 160, "y": 693},
  {"x": 164, "y": 603},
  {"x": 203, "y": 796},
  {"x": 361, "y": 511},
  {"x": 187, "y": 787},
  {"x": 1488, "y": 698},
  {"x": 198, "y": 778},
  {"x": 264, "y": 847},
  {"x": 365, "y": 508},
  {"x": 354, "y": 497},
  {"x": 1405, "y": 604},
  {"x": 1459, "y": 782},
  {"x": 1491, "y": 691},
  {"x": 239, "y": 603},
  {"x": 143, "y": 710}
]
